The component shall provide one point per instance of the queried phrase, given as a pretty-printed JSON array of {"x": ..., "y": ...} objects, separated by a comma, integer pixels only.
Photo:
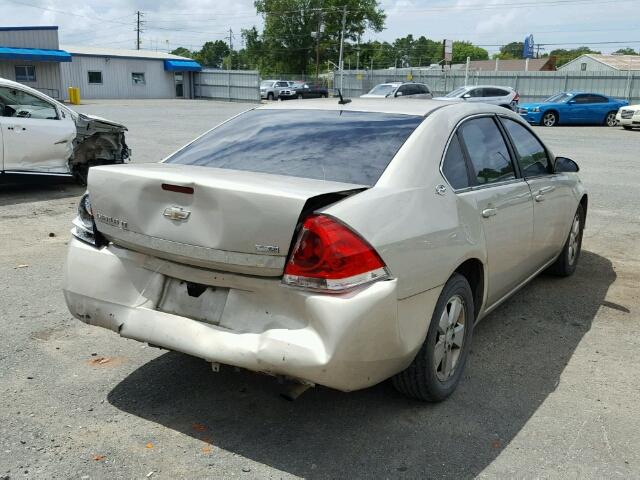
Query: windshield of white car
[
  {"x": 267, "y": 84},
  {"x": 349, "y": 147},
  {"x": 456, "y": 93},
  {"x": 382, "y": 90},
  {"x": 559, "y": 98}
]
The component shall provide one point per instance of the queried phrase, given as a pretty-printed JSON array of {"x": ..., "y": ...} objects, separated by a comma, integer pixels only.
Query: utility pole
[
  {"x": 358, "y": 54},
  {"x": 230, "y": 37},
  {"x": 341, "y": 61},
  {"x": 318, "y": 44},
  {"x": 139, "y": 30}
]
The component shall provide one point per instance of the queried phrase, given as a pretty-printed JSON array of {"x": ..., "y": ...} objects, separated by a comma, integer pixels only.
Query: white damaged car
[
  {"x": 365, "y": 251},
  {"x": 629, "y": 117},
  {"x": 39, "y": 135}
]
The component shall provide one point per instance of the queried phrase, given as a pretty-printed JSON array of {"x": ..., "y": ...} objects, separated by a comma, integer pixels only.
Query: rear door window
[
  {"x": 346, "y": 146},
  {"x": 532, "y": 155},
  {"x": 454, "y": 166},
  {"x": 495, "y": 92},
  {"x": 487, "y": 151}
]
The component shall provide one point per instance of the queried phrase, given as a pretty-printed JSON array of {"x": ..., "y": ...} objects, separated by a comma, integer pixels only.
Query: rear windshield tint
[{"x": 349, "y": 147}]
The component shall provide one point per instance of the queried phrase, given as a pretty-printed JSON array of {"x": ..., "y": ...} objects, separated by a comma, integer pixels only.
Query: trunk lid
[{"x": 232, "y": 221}]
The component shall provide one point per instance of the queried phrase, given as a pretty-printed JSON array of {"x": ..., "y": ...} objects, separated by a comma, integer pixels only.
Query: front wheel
[
  {"x": 567, "y": 262},
  {"x": 437, "y": 368},
  {"x": 610, "y": 119},
  {"x": 270, "y": 96},
  {"x": 627, "y": 127},
  {"x": 550, "y": 119}
]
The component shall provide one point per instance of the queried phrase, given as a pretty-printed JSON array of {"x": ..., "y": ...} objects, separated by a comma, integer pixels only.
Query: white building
[
  {"x": 32, "y": 55},
  {"x": 117, "y": 73},
  {"x": 592, "y": 62}
]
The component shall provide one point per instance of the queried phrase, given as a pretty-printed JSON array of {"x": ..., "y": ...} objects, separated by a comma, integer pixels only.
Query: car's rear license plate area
[{"x": 193, "y": 300}]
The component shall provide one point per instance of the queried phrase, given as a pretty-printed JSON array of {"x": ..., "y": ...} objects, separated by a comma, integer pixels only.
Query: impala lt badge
[{"x": 176, "y": 213}]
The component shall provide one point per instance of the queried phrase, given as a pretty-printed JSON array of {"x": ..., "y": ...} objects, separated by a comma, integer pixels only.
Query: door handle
[{"x": 489, "y": 212}]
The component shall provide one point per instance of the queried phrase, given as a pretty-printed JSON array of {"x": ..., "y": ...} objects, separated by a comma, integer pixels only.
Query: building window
[
  {"x": 138, "y": 78},
  {"x": 95, "y": 77},
  {"x": 583, "y": 67},
  {"x": 25, "y": 73}
]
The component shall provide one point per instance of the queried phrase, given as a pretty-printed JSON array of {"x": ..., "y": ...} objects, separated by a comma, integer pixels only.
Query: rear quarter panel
[{"x": 422, "y": 236}]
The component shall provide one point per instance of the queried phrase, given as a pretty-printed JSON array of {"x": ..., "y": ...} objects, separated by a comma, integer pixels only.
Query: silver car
[
  {"x": 505, "y": 97},
  {"x": 365, "y": 251},
  {"x": 399, "y": 89}
]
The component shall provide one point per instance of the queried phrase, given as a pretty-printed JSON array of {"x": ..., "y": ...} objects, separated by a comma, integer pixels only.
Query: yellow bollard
[{"x": 74, "y": 95}]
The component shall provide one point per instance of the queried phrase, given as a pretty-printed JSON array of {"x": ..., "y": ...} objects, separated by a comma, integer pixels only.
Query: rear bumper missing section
[{"x": 347, "y": 341}]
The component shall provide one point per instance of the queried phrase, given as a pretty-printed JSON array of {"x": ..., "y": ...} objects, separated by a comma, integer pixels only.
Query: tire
[
  {"x": 549, "y": 119},
  {"x": 270, "y": 96},
  {"x": 80, "y": 174},
  {"x": 427, "y": 378},
  {"x": 325, "y": 95},
  {"x": 566, "y": 263},
  {"x": 610, "y": 119},
  {"x": 300, "y": 97},
  {"x": 626, "y": 127}
]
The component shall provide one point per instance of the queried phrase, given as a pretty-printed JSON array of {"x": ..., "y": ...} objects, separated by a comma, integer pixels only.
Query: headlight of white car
[{"x": 83, "y": 228}]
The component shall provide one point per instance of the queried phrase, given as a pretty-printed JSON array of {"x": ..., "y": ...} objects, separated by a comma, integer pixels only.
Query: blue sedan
[{"x": 573, "y": 108}]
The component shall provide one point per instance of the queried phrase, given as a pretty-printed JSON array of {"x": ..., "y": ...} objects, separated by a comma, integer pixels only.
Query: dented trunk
[{"x": 226, "y": 220}]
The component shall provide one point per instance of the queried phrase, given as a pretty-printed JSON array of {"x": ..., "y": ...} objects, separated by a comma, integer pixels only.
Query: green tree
[
  {"x": 289, "y": 26},
  {"x": 462, "y": 50},
  {"x": 183, "y": 52},
  {"x": 511, "y": 51},
  {"x": 564, "y": 56},
  {"x": 626, "y": 51},
  {"x": 212, "y": 53}
]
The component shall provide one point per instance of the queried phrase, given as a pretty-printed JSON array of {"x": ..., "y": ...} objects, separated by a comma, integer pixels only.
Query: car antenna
[{"x": 343, "y": 101}]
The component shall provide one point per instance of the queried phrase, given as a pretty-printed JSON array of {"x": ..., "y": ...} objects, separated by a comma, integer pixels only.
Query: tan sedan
[{"x": 328, "y": 243}]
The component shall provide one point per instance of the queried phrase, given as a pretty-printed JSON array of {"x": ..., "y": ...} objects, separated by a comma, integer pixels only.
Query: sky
[{"x": 488, "y": 23}]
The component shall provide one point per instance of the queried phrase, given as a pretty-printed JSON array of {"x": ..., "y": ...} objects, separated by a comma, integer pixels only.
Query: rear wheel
[
  {"x": 437, "y": 368},
  {"x": 300, "y": 96},
  {"x": 627, "y": 127},
  {"x": 610, "y": 119},
  {"x": 550, "y": 119},
  {"x": 325, "y": 95},
  {"x": 566, "y": 263}
]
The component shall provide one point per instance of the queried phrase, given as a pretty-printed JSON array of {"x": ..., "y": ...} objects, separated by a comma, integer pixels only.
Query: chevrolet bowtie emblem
[{"x": 176, "y": 213}]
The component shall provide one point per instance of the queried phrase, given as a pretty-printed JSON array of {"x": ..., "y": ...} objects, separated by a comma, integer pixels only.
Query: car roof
[
  {"x": 379, "y": 105},
  {"x": 485, "y": 86}
]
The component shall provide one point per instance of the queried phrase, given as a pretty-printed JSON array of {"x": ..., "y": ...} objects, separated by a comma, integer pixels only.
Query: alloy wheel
[
  {"x": 450, "y": 338},
  {"x": 611, "y": 120},
  {"x": 549, "y": 119},
  {"x": 574, "y": 240}
]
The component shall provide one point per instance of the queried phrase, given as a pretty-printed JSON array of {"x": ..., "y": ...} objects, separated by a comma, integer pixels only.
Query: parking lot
[{"x": 552, "y": 388}]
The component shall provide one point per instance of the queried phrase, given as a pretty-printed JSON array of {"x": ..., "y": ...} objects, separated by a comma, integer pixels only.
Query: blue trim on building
[
  {"x": 34, "y": 54},
  {"x": 10, "y": 29},
  {"x": 182, "y": 66}
]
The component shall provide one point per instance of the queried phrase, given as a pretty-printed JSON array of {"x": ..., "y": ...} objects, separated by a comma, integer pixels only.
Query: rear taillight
[
  {"x": 517, "y": 97},
  {"x": 83, "y": 223},
  {"x": 329, "y": 256}
]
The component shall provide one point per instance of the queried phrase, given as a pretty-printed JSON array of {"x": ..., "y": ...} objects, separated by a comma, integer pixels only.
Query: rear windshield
[{"x": 349, "y": 147}]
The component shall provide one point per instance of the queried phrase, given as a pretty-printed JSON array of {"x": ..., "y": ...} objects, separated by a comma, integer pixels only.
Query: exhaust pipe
[{"x": 292, "y": 390}]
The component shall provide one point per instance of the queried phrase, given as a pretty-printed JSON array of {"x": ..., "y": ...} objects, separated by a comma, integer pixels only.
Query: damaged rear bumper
[{"x": 347, "y": 341}]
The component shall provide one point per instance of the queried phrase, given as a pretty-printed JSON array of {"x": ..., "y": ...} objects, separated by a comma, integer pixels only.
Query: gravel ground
[{"x": 551, "y": 390}]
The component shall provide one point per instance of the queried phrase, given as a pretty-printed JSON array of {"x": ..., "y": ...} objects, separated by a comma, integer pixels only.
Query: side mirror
[
  {"x": 399, "y": 94},
  {"x": 564, "y": 164},
  {"x": 571, "y": 102}
]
